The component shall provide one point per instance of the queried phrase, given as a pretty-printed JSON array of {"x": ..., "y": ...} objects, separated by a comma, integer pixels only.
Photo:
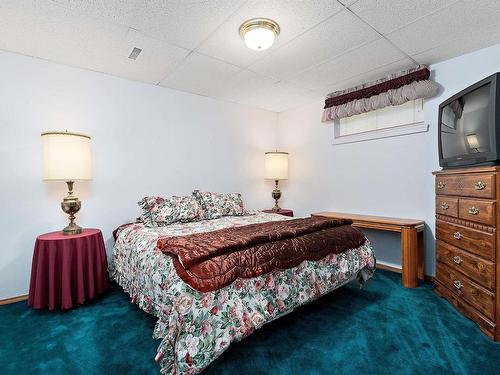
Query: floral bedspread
[{"x": 197, "y": 327}]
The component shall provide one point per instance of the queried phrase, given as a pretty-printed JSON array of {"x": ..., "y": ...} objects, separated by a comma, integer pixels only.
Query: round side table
[
  {"x": 67, "y": 269},
  {"x": 283, "y": 211}
]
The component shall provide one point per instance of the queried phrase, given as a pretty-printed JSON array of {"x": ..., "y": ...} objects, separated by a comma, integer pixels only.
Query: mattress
[{"x": 196, "y": 327}]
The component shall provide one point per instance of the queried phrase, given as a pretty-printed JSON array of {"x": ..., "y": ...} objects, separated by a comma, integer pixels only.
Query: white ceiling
[{"x": 194, "y": 46}]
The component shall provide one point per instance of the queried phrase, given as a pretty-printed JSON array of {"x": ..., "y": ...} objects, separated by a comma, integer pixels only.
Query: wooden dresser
[{"x": 468, "y": 243}]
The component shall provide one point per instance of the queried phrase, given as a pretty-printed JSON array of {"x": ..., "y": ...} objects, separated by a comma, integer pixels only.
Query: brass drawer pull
[
  {"x": 444, "y": 206},
  {"x": 457, "y": 235},
  {"x": 457, "y": 259},
  {"x": 473, "y": 210},
  {"x": 480, "y": 185},
  {"x": 441, "y": 185},
  {"x": 457, "y": 284}
]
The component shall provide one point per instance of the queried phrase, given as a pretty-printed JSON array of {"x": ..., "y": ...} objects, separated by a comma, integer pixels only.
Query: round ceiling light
[{"x": 259, "y": 33}]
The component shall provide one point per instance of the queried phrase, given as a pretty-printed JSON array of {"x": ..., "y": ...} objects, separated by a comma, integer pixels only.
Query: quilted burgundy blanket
[{"x": 212, "y": 260}]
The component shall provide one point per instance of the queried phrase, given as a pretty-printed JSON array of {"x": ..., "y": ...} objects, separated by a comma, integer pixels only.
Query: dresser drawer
[
  {"x": 477, "y": 210},
  {"x": 472, "y": 240},
  {"x": 486, "y": 325},
  {"x": 478, "y": 269},
  {"x": 462, "y": 286},
  {"x": 477, "y": 185},
  {"x": 447, "y": 206}
]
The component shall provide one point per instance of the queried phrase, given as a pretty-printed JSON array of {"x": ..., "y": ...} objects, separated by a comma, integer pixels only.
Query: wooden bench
[{"x": 412, "y": 240}]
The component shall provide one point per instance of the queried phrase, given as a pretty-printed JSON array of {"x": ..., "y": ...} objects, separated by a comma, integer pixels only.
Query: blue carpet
[{"x": 381, "y": 329}]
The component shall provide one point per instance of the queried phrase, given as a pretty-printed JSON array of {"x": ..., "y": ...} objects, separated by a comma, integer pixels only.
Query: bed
[{"x": 196, "y": 327}]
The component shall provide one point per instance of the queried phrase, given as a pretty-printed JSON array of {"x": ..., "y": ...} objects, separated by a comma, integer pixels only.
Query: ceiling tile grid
[
  {"x": 194, "y": 45},
  {"x": 349, "y": 65},
  {"x": 294, "y": 17},
  {"x": 335, "y": 36},
  {"x": 199, "y": 73},
  {"x": 386, "y": 16},
  {"x": 184, "y": 23},
  {"x": 447, "y": 25}
]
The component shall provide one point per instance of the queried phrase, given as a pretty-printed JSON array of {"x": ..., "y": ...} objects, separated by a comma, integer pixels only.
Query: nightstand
[
  {"x": 67, "y": 269},
  {"x": 283, "y": 212}
]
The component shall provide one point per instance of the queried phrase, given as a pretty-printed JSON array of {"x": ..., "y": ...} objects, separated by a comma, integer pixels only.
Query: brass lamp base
[
  {"x": 71, "y": 205},
  {"x": 72, "y": 228},
  {"x": 276, "y": 194}
]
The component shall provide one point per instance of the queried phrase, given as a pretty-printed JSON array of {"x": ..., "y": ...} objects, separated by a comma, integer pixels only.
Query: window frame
[{"x": 367, "y": 135}]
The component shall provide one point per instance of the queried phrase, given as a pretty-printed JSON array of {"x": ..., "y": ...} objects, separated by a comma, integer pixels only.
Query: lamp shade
[
  {"x": 66, "y": 156},
  {"x": 276, "y": 165}
]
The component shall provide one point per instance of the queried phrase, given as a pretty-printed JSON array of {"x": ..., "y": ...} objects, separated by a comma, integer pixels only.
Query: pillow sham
[
  {"x": 160, "y": 211},
  {"x": 216, "y": 205},
  {"x": 233, "y": 205}
]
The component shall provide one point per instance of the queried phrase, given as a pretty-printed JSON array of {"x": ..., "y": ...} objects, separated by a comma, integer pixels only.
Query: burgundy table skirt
[
  {"x": 67, "y": 269},
  {"x": 283, "y": 211}
]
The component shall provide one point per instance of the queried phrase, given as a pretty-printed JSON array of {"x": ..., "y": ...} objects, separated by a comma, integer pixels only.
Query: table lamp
[
  {"x": 66, "y": 157},
  {"x": 276, "y": 166}
]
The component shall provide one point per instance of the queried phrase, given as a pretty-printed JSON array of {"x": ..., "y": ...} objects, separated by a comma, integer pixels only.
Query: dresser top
[{"x": 490, "y": 169}]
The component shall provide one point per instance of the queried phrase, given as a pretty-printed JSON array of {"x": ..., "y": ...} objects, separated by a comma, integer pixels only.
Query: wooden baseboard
[
  {"x": 386, "y": 267},
  {"x": 13, "y": 299},
  {"x": 389, "y": 268}
]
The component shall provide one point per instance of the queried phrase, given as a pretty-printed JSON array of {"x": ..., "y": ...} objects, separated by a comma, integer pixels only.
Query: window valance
[{"x": 396, "y": 89}]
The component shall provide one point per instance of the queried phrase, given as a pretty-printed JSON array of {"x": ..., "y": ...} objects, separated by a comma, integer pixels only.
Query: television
[{"x": 469, "y": 126}]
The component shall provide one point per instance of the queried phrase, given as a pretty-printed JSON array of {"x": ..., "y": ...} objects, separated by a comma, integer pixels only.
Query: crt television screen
[{"x": 465, "y": 124}]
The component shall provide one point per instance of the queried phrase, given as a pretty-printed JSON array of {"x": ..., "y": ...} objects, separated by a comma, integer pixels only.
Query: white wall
[
  {"x": 151, "y": 140},
  {"x": 145, "y": 140},
  {"x": 390, "y": 177}
]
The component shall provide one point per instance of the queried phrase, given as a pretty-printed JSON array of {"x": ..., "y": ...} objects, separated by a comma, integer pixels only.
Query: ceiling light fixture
[{"x": 259, "y": 33}]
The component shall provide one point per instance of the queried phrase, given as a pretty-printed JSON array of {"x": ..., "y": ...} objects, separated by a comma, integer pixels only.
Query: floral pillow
[
  {"x": 216, "y": 205},
  {"x": 233, "y": 205},
  {"x": 159, "y": 211}
]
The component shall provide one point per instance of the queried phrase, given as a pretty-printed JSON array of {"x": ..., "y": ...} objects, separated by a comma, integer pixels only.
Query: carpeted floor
[{"x": 377, "y": 330}]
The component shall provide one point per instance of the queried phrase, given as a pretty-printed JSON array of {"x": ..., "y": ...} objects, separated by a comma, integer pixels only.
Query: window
[{"x": 407, "y": 118}]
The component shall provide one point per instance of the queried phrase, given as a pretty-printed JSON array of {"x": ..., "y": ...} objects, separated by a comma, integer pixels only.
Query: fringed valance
[{"x": 395, "y": 89}]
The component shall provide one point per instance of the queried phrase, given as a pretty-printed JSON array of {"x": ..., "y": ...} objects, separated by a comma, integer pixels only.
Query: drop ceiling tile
[
  {"x": 243, "y": 87},
  {"x": 283, "y": 96},
  {"x": 116, "y": 11},
  {"x": 199, "y": 73},
  {"x": 293, "y": 16},
  {"x": 359, "y": 61},
  {"x": 45, "y": 29},
  {"x": 156, "y": 60},
  {"x": 337, "y": 35},
  {"x": 483, "y": 38},
  {"x": 388, "y": 15},
  {"x": 447, "y": 26},
  {"x": 185, "y": 23}
]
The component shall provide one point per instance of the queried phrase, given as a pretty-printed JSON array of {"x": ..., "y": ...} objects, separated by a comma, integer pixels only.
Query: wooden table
[{"x": 412, "y": 240}]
